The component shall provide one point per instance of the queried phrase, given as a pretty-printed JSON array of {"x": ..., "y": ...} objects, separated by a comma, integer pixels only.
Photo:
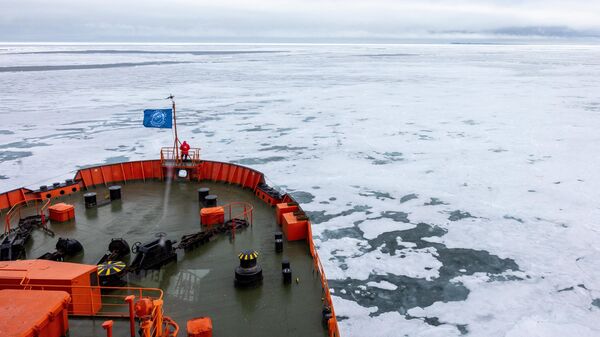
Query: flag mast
[{"x": 176, "y": 138}]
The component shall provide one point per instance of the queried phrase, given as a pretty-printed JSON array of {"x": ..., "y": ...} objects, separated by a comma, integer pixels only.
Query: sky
[{"x": 294, "y": 20}]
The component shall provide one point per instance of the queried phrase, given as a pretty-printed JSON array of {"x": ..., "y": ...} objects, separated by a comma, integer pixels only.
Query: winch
[{"x": 249, "y": 272}]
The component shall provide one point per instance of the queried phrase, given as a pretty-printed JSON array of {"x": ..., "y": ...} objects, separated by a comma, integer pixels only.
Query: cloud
[{"x": 199, "y": 20}]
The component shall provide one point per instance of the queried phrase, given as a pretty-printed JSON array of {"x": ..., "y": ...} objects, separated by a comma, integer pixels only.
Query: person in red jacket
[{"x": 185, "y": 150}]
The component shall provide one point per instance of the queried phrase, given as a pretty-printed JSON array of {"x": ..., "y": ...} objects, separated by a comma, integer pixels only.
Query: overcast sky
[{"x": 293, "y": 20}]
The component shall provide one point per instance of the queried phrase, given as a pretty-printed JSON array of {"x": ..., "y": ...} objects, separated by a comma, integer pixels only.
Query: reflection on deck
[{"x": 187, "y": 285}]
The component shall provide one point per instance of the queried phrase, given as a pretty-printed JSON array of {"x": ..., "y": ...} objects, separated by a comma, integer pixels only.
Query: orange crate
[
  {"x": 62, "y": 212},
  {"x": 199, "y": 327},
  {"x": 212, "y": 216}
]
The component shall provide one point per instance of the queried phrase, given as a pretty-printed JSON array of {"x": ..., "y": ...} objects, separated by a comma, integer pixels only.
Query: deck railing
[
  {"x": 172, "y": 157},
  {"x": 40, "y": 209},
  {"x": 107, "y": 302},
  {"x": 111, "y": 300},
  {"x": 239, "y": 210}
]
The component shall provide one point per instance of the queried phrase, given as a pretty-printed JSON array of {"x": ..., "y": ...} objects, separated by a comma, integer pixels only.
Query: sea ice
[{"x": 484, "y": 157}]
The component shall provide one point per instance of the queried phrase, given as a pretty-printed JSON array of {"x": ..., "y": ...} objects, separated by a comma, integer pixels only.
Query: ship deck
[{"x": 201, "y": 282}]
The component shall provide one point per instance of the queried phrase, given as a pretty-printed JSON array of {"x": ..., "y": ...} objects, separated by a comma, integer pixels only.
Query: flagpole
[{"x": 176, "y": 140}]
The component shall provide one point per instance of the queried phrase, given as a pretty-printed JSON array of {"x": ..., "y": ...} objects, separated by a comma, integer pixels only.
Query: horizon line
[{"x": 593, "y": 42}]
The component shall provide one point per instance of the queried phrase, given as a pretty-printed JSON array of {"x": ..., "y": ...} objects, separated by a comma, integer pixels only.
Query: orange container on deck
[
  {"x": 78, "y": 280},
  {"x": 212, "y": 216},
  {"x": 281, "y": 209},
  {"x": 61, "y": 212},
  {"x": 293, "y": 228},
  {"x": 199, "y": 327},
  {"x": 33, "y": 313}
]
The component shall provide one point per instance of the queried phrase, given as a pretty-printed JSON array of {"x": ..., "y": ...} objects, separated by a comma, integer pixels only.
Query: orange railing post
[
  {"x": 146, "y": 329},
  {"x": 158, "y": 317},
  {"x": 108, "y": 325},
  {"x": 129, "y": 299},
  {"x": 42, "y": 211}
]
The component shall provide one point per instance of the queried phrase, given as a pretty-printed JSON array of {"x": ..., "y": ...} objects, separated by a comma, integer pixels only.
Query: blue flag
[{"x": 158, "y": 118}]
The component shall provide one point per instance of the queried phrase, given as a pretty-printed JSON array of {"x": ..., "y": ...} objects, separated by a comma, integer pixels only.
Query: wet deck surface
[{"x": 201, "y": 282}]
